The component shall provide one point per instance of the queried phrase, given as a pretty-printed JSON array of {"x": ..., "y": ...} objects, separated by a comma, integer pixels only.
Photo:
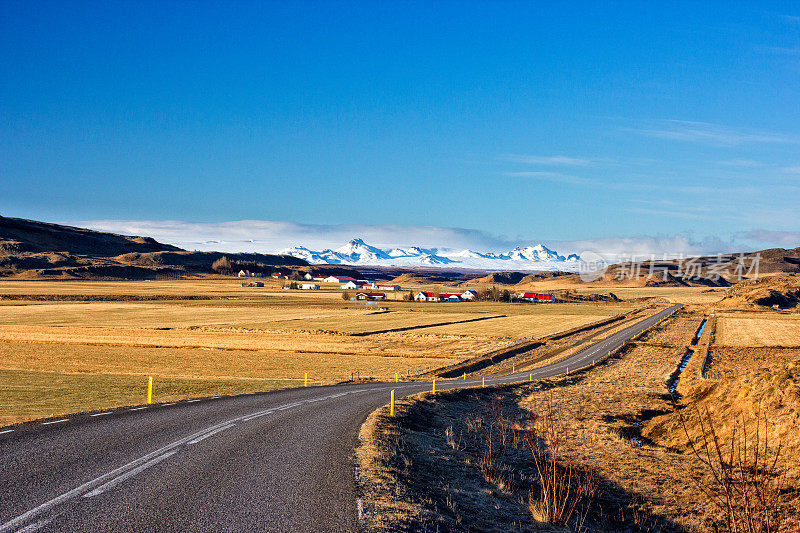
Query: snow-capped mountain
[{"x": 357, "y": 252}]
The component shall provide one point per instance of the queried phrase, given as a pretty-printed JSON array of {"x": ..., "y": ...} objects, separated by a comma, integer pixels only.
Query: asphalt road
[{"x": 274, "y": 461}]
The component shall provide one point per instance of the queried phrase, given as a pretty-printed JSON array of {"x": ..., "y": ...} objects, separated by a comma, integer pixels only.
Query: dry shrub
[
  {"x": 565, "y": 491},
  {"x": 558, "y": 491},
  {"x": 744, "y": 475},
  {"x": 491, "y": 445}
]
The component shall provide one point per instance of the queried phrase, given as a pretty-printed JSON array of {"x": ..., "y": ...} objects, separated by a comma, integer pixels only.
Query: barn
[
  {"x": 370, "y": 296},
  {"x": 338, "y": 279}
]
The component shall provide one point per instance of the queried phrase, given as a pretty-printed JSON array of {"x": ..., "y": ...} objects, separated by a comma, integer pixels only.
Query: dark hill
[
  {"x": 20, "y": 235},
  {"x": 39, "y": 250}
]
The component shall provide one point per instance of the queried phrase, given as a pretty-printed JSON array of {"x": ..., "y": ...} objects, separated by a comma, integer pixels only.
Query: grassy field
[
  {"x": 205, "y": 337},
  {"x": 758, "y": 329}
]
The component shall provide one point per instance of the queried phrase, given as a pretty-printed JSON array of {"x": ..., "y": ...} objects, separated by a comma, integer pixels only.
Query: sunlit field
[{"x": 67, "y": 346}]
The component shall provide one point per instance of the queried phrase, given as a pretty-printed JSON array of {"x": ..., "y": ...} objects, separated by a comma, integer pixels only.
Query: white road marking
[
  {"x": 192, "y": 401},
  {"x": 205, "y": 436},
  {"x": 256, "y": 415},
  {"x": 36, "y": 526},
  {"x": 130, "y": 473},
  {"x": 166, "y": 404},
  {"x": 101, "y": 414},
  {"x": 6, "y": 431},
  {"x": 55, "y": 421},
  {"x": 138, "y": 408}
]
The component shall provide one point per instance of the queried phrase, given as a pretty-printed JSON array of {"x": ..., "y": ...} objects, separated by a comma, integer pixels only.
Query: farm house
[
  {"x": 370, "y": 296},
  {"x": 423, "y": 296}
]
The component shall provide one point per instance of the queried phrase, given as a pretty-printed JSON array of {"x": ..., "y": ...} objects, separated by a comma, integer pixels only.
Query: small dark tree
[
  {"x": 345, "y": 296},
  {"x": 293, "y": 285},
  {"x": 409, "y": 296}
]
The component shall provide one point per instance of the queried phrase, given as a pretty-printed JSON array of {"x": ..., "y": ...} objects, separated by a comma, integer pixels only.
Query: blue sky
[{"x": 569, "y": 123}]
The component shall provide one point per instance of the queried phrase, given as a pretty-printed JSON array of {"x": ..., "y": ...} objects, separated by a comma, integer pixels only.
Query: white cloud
[
  {"x": 706, "y": 132},
  {"x": 766, "y": 238},
  {"x": 742, "y": 163},
  {"x": 544, "y": 175},
  {"x": 270, "y": 236},
  {"x": 553, "y": 160},
  {"x": 646, "y": 246}
]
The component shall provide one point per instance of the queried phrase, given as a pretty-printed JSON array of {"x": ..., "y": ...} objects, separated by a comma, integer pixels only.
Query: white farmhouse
[
  {"x": 352, "y": 285},
  {"x": 469, "y": 295},
  {"x": 308, "y": 287},
  {"x": 423, "y": 296}
]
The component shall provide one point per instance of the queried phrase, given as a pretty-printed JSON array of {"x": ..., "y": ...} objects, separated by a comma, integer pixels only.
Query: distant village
[{"x": 370, "y": 290}]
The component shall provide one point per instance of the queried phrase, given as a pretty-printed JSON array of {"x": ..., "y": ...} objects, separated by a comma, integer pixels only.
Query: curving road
[{"x": 274, "y": 461}]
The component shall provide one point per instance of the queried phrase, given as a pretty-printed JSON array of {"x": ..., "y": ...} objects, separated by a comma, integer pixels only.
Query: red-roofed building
[
  {"x": 370, "y": 296},
  {"x": 447, "y": 297},
  {"x": 535, "y": 297},
  {"x": 423, "y": 296}
]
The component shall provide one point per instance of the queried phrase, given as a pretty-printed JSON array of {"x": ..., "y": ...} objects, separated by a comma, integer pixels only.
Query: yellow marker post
[
  {"x": 149, "y": 390},
  {"x": 433, "y": 388},
  {"x": 513, "y": 368},
  {"x": 391, "y": 405},
  {"x": 530, "y": 376},
  {"x": 395, "y": 378},
  {"x": 465, "y": 376},
  {"x": 305, "y": 379},
  {"x": 483, "y": 382}
]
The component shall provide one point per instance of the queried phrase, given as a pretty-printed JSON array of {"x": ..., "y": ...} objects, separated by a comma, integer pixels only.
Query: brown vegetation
[{"x": 624, "y": 428}]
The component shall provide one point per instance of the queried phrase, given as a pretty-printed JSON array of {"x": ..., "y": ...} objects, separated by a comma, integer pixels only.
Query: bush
[
  {"x": 743, "y": 475},
  {"x": 222, "y": 266}
]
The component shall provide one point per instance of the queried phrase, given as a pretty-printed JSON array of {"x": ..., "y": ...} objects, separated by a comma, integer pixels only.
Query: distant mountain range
[{"x": 357, "y": 252}]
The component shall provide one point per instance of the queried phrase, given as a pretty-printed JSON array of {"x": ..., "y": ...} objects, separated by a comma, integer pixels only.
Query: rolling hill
[{"x": 38, "y": 250}]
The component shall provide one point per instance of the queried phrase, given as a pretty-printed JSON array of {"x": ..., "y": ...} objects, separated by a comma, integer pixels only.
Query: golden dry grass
[
  {"x": 266, "y": 337},
  {"x": 412, "y": 475},
  {"x": 26, "y": 395},
  {"x": 758, "y": 329}
]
